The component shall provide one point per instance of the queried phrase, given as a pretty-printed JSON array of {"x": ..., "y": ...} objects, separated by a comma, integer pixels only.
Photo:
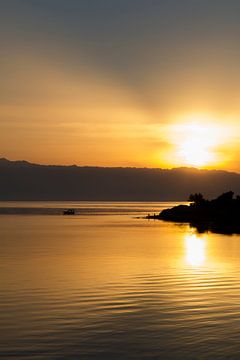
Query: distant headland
[{"x": 221, "y": 214}]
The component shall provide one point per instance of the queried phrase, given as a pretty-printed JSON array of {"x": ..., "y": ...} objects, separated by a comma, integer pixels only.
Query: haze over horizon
[{"x": 119, "y": 83}]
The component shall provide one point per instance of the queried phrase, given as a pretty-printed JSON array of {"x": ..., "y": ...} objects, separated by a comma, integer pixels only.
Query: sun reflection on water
[{"x": 195, "y": 250}]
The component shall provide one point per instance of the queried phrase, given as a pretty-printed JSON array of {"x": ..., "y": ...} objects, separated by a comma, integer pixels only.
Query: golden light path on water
[{"x": 195, "y": 248}]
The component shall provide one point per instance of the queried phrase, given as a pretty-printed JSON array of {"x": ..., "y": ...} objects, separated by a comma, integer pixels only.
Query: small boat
[{"x": 69, "y": 212}]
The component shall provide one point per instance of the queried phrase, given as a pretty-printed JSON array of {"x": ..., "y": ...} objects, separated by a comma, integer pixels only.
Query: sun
[
  {"x": 196, "y": 144},
  {"x": 197, "y": 140},
  {"x": 196, "y": 152}
]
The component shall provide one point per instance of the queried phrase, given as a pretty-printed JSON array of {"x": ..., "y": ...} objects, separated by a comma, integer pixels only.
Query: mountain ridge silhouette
[{"x": 22, "y": 180}]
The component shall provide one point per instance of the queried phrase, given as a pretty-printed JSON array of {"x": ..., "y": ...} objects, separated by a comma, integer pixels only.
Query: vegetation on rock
[{"x": 220, "y": 213}]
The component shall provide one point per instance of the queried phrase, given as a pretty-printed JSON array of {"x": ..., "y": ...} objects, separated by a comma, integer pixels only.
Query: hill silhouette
[{"x": 21, "y": 180}]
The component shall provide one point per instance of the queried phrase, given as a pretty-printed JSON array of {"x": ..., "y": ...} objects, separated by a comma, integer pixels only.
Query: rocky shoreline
[{"x": 219, "y": 215}]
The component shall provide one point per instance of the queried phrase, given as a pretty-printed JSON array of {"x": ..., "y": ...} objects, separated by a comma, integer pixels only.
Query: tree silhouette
[{"x": 196, "y": 198}]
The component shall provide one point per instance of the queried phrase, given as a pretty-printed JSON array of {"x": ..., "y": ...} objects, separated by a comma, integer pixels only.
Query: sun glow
[
  {"x": 195, "y": 152},
  {"x": 196, "y": 143}
]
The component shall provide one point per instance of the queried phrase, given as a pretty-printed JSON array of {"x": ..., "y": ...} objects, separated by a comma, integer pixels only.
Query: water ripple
[{"x": 112, "y": 297}]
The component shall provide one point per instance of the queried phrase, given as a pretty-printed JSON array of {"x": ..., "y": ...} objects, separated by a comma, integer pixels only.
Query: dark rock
[{"x": 219, "y": 215}]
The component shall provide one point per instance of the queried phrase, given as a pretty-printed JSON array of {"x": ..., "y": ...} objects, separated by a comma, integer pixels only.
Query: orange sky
[{"x": 145, "y": 85}]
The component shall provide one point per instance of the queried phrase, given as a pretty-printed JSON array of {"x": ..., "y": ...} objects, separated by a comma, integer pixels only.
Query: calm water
[{"x": 107, "y": 285}]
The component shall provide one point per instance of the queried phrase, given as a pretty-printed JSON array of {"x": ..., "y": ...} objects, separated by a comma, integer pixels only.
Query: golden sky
[{"x": 121, "y": 83}]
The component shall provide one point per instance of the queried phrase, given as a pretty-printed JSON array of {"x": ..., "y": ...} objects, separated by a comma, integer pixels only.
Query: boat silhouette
[{"x": 69, "y": 212}]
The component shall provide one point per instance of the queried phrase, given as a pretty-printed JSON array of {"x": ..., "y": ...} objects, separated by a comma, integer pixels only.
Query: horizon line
[{"x": 116, "y": 167}]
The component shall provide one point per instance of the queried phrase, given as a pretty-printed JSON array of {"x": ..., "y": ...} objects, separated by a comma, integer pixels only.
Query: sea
[{"x": 107, "y": 283}]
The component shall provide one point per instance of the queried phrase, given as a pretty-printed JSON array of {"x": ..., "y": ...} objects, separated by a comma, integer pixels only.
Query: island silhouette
[{"x": 221, "y": 215}]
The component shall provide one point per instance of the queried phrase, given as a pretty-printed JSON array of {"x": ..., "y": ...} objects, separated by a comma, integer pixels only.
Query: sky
[{"x": 146, "y": 83}]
